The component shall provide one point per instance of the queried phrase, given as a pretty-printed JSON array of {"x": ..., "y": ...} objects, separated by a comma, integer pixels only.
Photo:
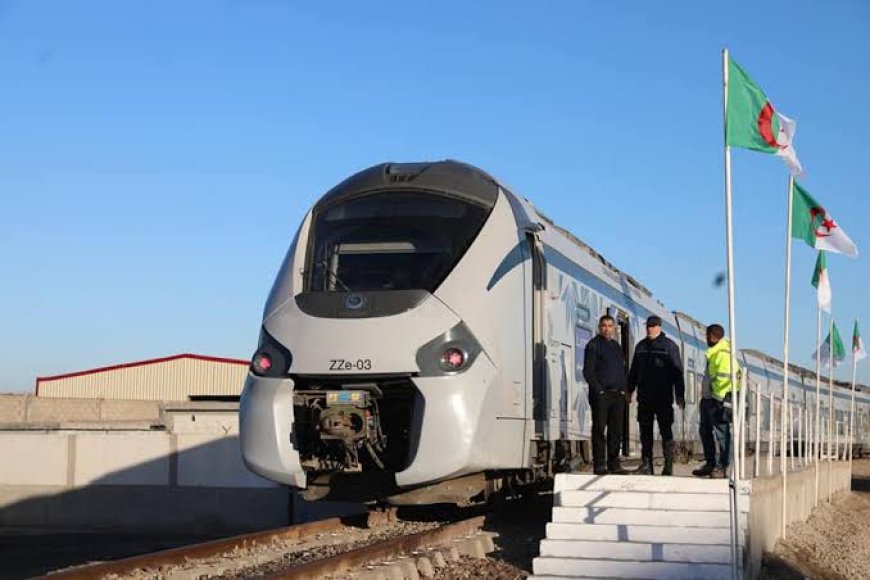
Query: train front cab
[{"x": 396, "y": 350}]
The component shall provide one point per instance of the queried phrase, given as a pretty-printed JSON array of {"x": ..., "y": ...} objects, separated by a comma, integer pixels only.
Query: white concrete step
[
  {"x": 647, "y": 500},
  {"x": 662, "y": 534},
  {"x": 637, "y": 551},
  {"x": 588, "y": 568},
  {"x": 639, "y": 517},
  {"x": 644, "y": 483}
]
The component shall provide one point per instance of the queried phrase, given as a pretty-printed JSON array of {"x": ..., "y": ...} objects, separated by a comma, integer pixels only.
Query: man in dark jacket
[
  {"x": 605, "y": 372},
  {"x": 657, "y": 374}
]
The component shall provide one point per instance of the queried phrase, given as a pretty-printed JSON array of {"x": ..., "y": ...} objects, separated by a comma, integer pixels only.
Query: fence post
[
  {"x": 771, "y": 447},
  {"x": 790, "y": 450},
  {"x": 757, "y": 432},
  {"x": 800, "y": 421},
  {"x": 830, "y": 461}
]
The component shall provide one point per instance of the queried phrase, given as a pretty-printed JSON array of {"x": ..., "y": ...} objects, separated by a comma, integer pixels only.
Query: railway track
[{"x": 330, "y": 547}]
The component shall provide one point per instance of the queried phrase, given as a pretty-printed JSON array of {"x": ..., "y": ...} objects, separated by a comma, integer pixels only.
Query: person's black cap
[{"x": 654, "y": 321}]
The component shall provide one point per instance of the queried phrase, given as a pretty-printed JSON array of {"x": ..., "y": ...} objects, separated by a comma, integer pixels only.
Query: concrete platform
[
  {"x": 623, "y": 533},
  {"x": 587, "y": 568},
  {"x": 640, "y": 526},
  {"x": 640, "y": 551}
]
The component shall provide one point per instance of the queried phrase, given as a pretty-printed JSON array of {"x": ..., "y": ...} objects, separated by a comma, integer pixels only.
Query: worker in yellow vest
[{"x": 716, "y": 407}]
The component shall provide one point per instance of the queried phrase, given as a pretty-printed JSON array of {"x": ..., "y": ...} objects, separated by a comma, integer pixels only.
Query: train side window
[{"x": 582, "y": 336}]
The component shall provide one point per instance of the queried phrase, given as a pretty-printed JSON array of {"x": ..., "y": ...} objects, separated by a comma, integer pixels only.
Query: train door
[
  {"x": 623, "y": 336},
  {"x": 559, "y": 342},
  {"x": 538, "y": 349},
  {"x": 552, "y": 343}
]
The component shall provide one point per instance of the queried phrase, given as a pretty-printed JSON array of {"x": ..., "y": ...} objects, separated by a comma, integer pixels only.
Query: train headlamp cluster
[
  {"x": 450, "y": 353},
  {"x": 271, "y": 359}
]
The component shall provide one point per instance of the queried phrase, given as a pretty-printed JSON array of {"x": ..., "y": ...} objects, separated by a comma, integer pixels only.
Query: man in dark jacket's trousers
[
  {"x": 657, "y": 374},
  {"x": 604, "y": 368}
]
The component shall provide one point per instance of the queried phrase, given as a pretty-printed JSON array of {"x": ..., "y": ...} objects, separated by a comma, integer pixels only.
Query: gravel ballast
[{"x": 834, "y": 542}]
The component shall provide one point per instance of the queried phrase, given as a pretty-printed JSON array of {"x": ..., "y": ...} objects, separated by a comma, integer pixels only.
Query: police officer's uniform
[{"x": 657, "y": 374}]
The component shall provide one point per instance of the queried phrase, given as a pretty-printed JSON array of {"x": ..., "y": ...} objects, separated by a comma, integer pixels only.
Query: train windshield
[{"x": 390, "y": 241}]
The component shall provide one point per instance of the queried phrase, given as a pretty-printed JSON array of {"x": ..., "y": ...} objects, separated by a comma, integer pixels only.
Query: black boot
[
  {"x": 668, "y": 469},
  {"x": 646, "y": 467},
  {"x": 704, "y": 471},
  {"x": 615, "y": 468}
]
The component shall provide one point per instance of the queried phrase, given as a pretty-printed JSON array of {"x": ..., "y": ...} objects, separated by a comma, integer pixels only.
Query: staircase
[{"x": 639, "y": 526}]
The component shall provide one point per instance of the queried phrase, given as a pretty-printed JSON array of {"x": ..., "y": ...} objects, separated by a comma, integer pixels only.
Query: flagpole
[
  {"x": 830, "y": 406},
  {"x": 729, "y": 248},
  {"x": 783, "y": 468},
  {"x": 852, "y": 407},
  {"x": 817, "y": 452}
]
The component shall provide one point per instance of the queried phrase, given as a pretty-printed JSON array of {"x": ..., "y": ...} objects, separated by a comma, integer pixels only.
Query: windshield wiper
[{"x": 324, "y": 264}]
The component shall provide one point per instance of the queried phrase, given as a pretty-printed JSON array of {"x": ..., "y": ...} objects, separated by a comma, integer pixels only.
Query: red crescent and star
[
  {"x": 765, "y": 126},
  {"x": 827, "y": 224}
]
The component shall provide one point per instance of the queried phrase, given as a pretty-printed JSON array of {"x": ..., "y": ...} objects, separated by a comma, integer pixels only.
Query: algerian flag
[
  {"x": 752, "y": 123},
  {"x": 839, "y": 349},
  {"x": 858, "y": 351},
  {"x": 813, "y": 224},
  {"x": 822, "y": 283}
]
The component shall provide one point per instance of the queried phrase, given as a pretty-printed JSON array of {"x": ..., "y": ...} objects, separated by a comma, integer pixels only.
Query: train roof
[
  {"x": 583, "y": 245},
  {"x": 698, "y": 324},
  {"x": 597, "y": 255},
  {"x": 802, "y": 371},
  {"x": 453, "y": 178}
]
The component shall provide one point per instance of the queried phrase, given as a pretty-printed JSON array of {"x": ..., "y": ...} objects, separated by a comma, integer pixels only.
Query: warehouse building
[{"x": 182, "y": 377}]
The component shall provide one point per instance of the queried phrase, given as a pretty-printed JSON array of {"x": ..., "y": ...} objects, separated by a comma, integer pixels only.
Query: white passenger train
[{"x": 423, "y": 342}]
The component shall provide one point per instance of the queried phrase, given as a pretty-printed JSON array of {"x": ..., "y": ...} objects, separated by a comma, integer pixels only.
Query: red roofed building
[{"x": 180, "y": 377}]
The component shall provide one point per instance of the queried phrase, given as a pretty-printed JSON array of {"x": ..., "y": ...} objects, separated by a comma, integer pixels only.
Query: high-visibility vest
[{"x": 719, "y": 369}]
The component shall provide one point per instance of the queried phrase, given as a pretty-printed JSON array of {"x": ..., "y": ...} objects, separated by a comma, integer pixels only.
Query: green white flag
[
  {"x": 751, "y": 122},
  {"x": 822, "y": 283},
  {"x": 812, "y": 223},
  {"x": 858, "y": 351},
  {"x": 839, "y": 350}
]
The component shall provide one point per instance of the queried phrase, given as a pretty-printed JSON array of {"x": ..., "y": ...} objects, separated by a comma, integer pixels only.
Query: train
[{"x": 423, "y": 343}]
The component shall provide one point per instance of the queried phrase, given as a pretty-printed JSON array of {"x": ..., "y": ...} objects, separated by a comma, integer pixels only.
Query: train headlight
[
  {"x": 262, "y": 362},
  {"x": 452, "y": 359},
  {"x": 271, "y": 359},
  {"x": 451, "y": 353}
]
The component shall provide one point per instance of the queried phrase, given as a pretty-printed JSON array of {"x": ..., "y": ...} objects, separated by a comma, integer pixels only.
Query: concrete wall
[
  {"x": 30, "y": 410},
  {"x": 765, "y": 504},
  {"x": 186, "y": 475}
]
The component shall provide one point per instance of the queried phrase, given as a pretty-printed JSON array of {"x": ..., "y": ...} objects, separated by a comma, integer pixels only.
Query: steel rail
[
  {"x": 212, "y": 548},
  {"x": 378, "y": 551}
]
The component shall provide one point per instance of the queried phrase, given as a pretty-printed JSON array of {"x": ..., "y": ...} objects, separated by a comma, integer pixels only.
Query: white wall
[{"x": 188, "y": 476}]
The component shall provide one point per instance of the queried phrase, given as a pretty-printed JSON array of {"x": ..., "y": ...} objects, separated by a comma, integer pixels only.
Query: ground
[{"x": 833, "y": 543}]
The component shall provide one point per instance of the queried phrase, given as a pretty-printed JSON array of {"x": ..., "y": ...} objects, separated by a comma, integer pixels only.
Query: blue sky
[{"x": 157, "y": 157}]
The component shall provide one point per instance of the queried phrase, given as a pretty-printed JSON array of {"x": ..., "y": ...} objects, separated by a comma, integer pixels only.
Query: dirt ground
[{"x": 834, "y": 543}]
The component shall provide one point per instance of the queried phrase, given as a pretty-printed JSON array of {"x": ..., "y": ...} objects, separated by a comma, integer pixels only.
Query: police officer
[
  {"x": 715, "y": 423},
  {"x": 657, "y": 374},
  {"x": 605, "y": 372}
]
